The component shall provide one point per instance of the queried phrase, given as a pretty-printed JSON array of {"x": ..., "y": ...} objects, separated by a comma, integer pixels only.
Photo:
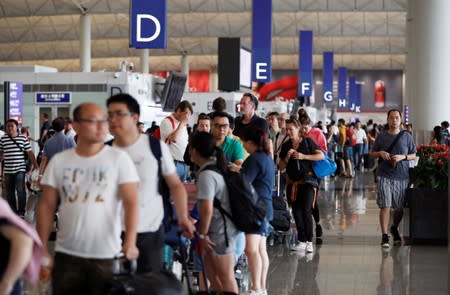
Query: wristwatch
[
  {"x": 202, "y": 236},
  {"x": 406, "y": 157}
]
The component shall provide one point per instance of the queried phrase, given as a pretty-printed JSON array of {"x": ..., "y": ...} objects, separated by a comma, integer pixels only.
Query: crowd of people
[{"x": 109, "y": 198}]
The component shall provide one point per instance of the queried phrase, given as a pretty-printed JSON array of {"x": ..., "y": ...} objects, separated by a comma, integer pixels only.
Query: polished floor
[{"x": 351, "y": 260}]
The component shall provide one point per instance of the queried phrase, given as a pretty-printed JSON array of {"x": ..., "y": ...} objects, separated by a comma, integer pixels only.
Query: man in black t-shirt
[
  {"x": 44, "y": 129},
  {"x": 248, "y": 106}
]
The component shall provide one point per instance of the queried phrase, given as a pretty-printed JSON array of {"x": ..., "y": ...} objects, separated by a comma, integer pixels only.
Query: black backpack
[
  {"x": 163, "y": 189},
  {"x": 248, "y": 210}
]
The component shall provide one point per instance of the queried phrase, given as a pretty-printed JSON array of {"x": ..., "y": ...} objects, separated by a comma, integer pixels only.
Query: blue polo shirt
[{"x": 57, "y": 143}]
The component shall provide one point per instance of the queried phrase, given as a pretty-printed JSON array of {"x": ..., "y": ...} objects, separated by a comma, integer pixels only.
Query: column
[
  {"x": 428, "y": 64},
  {"x": 185, "y": 68},
  {"x": 85, "y": 43},
  {"x": 145, "y": 60},
  {"x": 213, "y": 79}
]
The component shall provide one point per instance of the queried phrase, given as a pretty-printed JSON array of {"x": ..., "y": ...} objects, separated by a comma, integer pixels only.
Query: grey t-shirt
[
  {"x": 405, "y": 145},
  {"x": 210, "y": 185}
]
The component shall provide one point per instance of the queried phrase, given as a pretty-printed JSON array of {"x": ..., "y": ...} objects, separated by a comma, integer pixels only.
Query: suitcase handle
[{"x": 122, "y": 266}]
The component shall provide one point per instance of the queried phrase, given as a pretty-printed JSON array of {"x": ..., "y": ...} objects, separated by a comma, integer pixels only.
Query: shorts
[
  {"x": 391, "y": 192},
  {"x": 348, "y": 153},
  {"x": 265, "y": 229}
]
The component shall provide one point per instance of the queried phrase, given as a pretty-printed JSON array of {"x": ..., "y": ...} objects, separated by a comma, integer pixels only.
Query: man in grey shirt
[{"x": 392, "y": 173}]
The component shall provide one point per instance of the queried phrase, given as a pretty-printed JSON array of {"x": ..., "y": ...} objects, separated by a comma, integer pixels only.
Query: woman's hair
[
  {"x": 205, "y": 145},
  {"x": 293, "y": 121},
  {"x": 437, "y": 133},
  {"x": 305, "y": 120},
  {"x": 258, "y": 137}
]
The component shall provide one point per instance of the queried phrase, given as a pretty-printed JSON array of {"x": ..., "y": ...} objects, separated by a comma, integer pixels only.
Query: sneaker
[
  {"x": 396, "y": 235},
  {"x": 309, "y": 247},
  {"x": 263, "y": 292},
  {"x": 309, "y": 257},
  {"x": 385, "y": 241},
  {"x": 319, "y": 231},
  {"x": 301, "y": 246}
]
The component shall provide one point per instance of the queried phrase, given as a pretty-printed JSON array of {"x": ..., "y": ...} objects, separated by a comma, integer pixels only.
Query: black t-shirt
[
  {"x": 297, "y": 169},
  {"x": 256, "y": 122},
  {"x": 4, "y": 248}
]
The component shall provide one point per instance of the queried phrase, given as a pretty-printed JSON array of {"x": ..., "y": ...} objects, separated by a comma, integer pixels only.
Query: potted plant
[{"x": 428, "y": 197}]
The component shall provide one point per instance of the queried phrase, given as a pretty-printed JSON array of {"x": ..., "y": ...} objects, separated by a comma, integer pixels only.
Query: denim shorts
[{"x": 265, "y": 229}]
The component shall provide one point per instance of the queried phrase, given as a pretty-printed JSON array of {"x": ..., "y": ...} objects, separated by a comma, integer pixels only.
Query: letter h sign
[{"x": 148, "y": 24}]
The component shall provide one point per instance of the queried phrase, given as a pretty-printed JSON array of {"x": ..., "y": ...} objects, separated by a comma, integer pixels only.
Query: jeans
[
  {"x": 77, "y": 275},
  {"x": 182, "y": 170},
  {"x": 358, "y": 154},
  {"x": 16, "y": 182}
]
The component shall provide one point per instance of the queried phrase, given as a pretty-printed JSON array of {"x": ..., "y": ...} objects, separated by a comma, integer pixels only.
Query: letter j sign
[{"x": 148, "y": 24}]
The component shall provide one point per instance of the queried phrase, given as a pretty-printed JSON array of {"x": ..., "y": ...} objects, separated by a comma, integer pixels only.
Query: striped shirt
[{"x": 13, "y": 157}]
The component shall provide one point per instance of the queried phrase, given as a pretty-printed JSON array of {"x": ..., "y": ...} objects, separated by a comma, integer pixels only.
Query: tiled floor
[{"x": 350, "y": 260}]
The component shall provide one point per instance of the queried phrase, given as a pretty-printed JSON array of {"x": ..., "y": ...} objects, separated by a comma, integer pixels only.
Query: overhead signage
[
  {"x": 148, "y": 24},
  {"x": 342, "y": 87},
  {"x": 15, "y": 101},
  {"x": 352, "y": 92},
  {"x": 327, "y": 75},
  {"x": 53, "y": 97},
  {"x": 305, "y": 63},
  {"x": 358, "y": 90},
  {"x": 262, "y": 41}
]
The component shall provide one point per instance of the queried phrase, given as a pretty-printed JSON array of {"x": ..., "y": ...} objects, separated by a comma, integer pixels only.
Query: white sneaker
[
  {"x": 309, "y": 247},
  {"x": 301, "y": 246}
]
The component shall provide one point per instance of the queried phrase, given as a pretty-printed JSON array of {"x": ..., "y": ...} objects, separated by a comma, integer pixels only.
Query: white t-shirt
[
  {"x": 151, "y": 211},
  {"x": 177, "y": 148},
  {"x": 90, "y": 209},
  {"x": 360, "y": 135}
]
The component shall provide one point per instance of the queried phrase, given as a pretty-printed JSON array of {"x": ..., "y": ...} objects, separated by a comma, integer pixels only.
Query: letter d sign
[{"x": 148, "y": 24}]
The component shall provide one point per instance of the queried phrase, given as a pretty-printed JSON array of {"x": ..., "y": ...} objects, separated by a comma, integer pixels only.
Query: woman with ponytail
[
  {"x": 259, "y": 169},
  {"x": 217, "y": 251}
]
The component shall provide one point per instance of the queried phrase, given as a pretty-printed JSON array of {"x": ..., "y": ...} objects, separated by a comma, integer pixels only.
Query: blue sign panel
[
  {"x": 53, "y": 98},
  {"x": 342, "y": 87},
  {"x": 352, "y": 92},
  {"x": 16, "y": 101},
  {"x": 262, "y": 41},
  {"x": 358, "y": 91},
  {"x": 327, "y": 74},
  {"x": 148, "y": 24},
  {"x": 305, "y": 69}
]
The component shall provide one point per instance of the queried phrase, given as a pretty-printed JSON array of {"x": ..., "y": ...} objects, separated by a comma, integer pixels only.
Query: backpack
[
  {"x": 163, "y": 189},
  {"x": 248, "y": 210}
]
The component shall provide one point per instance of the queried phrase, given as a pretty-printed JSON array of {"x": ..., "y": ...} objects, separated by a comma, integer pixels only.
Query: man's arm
[
  {"x": 47, "y": 208},
  {"x": 179, "y": 196},
  {"x": 33, "y": 159},
  {"x": 19, "y": 256},
  {"x": 43, "y": 165},
  {"x": 128, "y": 194}
]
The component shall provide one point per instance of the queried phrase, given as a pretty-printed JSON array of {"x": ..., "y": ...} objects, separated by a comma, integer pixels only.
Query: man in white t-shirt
[
  {"x": 92, "y": 184},
  {"x": 123, "y": 115},
  {"x": 173, "y": 130}
]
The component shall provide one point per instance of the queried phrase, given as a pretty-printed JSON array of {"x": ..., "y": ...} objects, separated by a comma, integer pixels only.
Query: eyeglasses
[
  {"x": 93, "y": 121},
  {"x": 221, "y": 126},
  {"x": 118, "y": 114}
]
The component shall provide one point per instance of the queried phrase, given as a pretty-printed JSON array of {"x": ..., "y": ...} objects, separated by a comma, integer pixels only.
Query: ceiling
[{"x": 363, "y": 34}]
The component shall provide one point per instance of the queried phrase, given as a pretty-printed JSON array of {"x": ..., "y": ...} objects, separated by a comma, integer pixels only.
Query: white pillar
[
  {"x": 213, "y": 80},
  {"x": 145, "y": 60},
  {"x": 185, "y": 69},
  {"x": 85, "y": 43},
  {"x": 428, "y": 64}
]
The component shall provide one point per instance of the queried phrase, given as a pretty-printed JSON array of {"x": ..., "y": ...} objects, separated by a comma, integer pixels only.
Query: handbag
[{"x": 324, "y": 167}]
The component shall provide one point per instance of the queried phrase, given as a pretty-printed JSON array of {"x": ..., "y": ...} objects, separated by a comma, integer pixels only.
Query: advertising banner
[
  {"x": 262, "y": 41},
  {"x": 148, "y": 24},
  {"x": 305, "y": 63},
  {"x": 342, "y": 88},
  {"x": 327, "y": 74}
]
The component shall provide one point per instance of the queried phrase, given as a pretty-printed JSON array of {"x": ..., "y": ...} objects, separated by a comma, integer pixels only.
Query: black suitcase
[{"x": 126, "y": 281}]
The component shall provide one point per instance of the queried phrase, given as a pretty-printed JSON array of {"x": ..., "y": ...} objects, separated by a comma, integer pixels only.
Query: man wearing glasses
[
  {"x": 92, "y": 183},
  {"x": 123, "y": 115}
]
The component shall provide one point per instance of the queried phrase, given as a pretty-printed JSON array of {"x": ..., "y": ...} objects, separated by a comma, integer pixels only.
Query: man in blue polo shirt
[{"x": 57, "y": 143}]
